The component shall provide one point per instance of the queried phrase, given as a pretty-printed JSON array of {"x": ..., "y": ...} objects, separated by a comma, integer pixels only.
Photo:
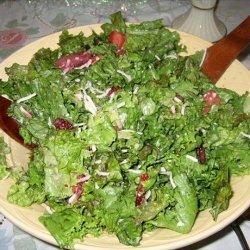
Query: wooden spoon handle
[
  {"x": 220, "y": 55},
  {"x": 8, "y": 124}
]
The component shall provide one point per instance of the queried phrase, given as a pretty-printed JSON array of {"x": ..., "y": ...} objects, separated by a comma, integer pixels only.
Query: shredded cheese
[
  {"x": 148, "y": 194},
  {"x": 246, "y": 135},
  {"x": 178, "y": 100},
  {"x": 26, "y": 98},
  {"x": 170, "y": 175},
  {"x": 89, "y": 104},
  {"x": 135, "y": 171},
  {"x": 183, "y": 108},
  {"x": 96, "y": 186},
  {"x": 172, "y": 56},
  {"x": 103, "y": 173},
  {"x": 157, "y": 57},
  {"x": 104, "y": 94},
  {"x": 190, "y": 157},
  {"x": 124, "y": 161},
  {"x": 49, "y": 122},
  {"x": 79, "y": 124},
  {"x": 93, "y": 147},
  {"x": 173, "y": 110},
  {"x": 129, "y": 78},
  {"x": 92, "y": 89},
  {"x": 98, "y": 162}
]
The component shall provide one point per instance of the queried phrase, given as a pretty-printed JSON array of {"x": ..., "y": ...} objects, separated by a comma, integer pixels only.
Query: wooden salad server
[
  {"x": 219, "y": 56},
  {"x": 9, "y": 124}
]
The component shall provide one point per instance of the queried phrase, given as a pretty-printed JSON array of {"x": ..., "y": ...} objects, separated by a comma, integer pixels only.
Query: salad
[{"x": 130, "y": 135}]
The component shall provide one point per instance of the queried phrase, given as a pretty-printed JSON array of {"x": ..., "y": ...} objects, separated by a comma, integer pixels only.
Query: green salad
[{"x": 130, "y": 135}]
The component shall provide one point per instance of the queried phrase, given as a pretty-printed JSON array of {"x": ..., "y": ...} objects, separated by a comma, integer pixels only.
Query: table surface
[{"x": 24, "y": 21}]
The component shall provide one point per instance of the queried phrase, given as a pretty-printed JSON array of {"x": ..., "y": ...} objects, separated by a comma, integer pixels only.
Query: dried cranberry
[
  {"x": 144, "y": 177},
  {"x": 201, "y": 154},
  {"x": 117, "y": 38},
  {"x": 140, "y": 194},
  {"x": 63, "y": 124}
]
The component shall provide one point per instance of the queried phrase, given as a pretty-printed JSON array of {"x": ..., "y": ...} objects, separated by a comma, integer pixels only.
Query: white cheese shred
[
  {"x": 148, "y": 194},
  {"x": 183, "y": 108},
  {"x": 178, "y": 100},
  {"x": 173, "y": 109},
  {"x": 103, "y": 173},
  {"x": 92, "y": 89},
  {"x": 104, "y": 94},
  {"x": 246, "y": 135},
  {"x": 135, "y": 171},
  {"x": 157, "y": 57},
  {"x": 93, "y": 148},
  {"x": 129, "y": 78},
  {"x": 124, "y": 161},
  {"x": 172, "y": 56},
  {"x": 98, "y": 162},
  {"x": 170, "y": 174},
  {"x": 190, "y": 157},
  {"x": 96, "y": 186},
  {"x": 49, "y": 122},
  {"x": 26, "y": 98},
  {"x": 79, "y": 124},
  {"x": 89, "y": 104}
]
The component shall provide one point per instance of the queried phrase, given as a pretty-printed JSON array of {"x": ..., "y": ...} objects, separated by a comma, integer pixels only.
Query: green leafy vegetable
[{"x": 3, "y": 164}]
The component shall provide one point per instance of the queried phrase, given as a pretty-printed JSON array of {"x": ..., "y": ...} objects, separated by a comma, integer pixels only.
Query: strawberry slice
[{"x": 118, "y": 38}]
